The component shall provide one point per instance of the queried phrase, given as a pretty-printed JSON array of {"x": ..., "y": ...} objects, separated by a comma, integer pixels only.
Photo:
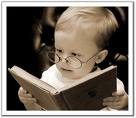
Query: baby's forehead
[
  {"x": 77, "y": 36},
  {"x": 86, "y": 31},
  {"x": 80, "y": 41},
  {"x": 81, "y": 31}
]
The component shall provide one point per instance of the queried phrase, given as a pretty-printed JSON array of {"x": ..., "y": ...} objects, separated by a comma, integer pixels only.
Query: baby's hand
[
  {"x": 25, "y": 97},
  {"x": 29, "y": 102},
  {"x": 117, "y": 101}
]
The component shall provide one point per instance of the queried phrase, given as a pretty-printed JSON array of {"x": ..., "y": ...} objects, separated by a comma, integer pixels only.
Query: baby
[{"x": 81, "y": 37}]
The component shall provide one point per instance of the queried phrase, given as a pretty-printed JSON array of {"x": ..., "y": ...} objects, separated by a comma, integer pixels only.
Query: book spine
[{"x": 60, "y": 102}]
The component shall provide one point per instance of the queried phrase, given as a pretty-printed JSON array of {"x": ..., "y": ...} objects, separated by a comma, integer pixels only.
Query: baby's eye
[
  {"x": 59, "y": 50},
  {"x": 75, "y": 54}
]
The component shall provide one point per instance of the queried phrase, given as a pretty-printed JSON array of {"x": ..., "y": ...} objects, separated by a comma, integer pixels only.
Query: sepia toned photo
[{"x": 67, "y": 59}]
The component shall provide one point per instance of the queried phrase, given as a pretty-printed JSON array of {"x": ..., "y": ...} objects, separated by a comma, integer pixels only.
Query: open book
[{"x": 84, "y": 94}]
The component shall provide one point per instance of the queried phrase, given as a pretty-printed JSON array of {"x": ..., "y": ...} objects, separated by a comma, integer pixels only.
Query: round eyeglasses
[{"x": 72, "y": 61}]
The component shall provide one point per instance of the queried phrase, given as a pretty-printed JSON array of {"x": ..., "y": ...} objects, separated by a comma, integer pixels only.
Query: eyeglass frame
[{"x": 60, "y": 58}]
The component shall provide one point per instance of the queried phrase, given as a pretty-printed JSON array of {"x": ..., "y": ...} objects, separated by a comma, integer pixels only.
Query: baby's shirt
[{"x": 53, "y": 77}]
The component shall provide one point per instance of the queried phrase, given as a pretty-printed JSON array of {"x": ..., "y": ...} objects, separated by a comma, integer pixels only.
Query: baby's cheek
[
  {"x": 87, "y": 68},
  {"x": 82, "y": 72}
]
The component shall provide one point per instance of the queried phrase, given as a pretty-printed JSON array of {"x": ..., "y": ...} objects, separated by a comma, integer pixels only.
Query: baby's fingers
[
  {"x": 23, "y": 93},
  {"x": 118, "y": 93},
  {"x": 27, "y": 100},
  {"x": 113, "y": 105},
  {"x": 111, "y": 99},
  {"x": 21, "y": 90},
  {"x": 25, "y": 97}
]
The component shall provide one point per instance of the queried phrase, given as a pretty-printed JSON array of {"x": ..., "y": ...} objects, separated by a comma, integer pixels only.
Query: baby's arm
[
  {"x": 28, "y": 100},
  {"x": 119, "y": 99}
]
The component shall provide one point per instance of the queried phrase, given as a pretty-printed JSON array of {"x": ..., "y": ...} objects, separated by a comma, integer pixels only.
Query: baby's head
[{"x": 81, "y": 35}]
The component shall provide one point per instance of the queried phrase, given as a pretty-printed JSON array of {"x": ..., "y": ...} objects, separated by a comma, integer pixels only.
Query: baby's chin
[{"x": 69, "y": 75}]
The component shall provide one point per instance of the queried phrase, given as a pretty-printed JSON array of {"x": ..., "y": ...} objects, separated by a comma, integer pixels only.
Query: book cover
[
  {"x": 89, "y": 95},
  {"x": 85, "y": 94}
]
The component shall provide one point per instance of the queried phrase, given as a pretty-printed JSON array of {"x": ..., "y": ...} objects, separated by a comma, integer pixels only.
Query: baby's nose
[{"x": 64, "y": 58}]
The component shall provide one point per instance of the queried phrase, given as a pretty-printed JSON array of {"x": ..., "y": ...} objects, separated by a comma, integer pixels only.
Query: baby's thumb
[{"x": 118, "y": 93}]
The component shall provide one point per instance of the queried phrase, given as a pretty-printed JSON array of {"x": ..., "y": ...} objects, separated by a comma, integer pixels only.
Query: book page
[{"x": 32, "y": 79}]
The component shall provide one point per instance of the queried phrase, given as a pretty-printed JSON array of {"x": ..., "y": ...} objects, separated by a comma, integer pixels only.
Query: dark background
[{"x": 20, "y": 50}]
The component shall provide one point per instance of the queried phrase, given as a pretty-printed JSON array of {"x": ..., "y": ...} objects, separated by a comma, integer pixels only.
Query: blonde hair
[{"x": 85, "y": 17}]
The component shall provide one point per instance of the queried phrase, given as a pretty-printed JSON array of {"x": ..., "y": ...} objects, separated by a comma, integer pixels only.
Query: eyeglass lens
[{"x": 71, "y": 61}]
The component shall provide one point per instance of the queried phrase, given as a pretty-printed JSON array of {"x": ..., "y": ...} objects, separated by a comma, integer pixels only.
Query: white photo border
[{"x": 129, "y": 112}]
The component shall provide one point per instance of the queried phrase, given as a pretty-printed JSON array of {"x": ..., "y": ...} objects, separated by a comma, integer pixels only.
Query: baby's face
[{"x": 78, "y": 45}]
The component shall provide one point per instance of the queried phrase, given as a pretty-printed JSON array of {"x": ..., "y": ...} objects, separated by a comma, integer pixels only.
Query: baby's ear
[{"x": 101, "y": 56}]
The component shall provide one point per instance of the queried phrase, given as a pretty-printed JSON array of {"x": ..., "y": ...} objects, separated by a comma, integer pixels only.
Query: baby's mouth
[{"x": 66, "y": 69}]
